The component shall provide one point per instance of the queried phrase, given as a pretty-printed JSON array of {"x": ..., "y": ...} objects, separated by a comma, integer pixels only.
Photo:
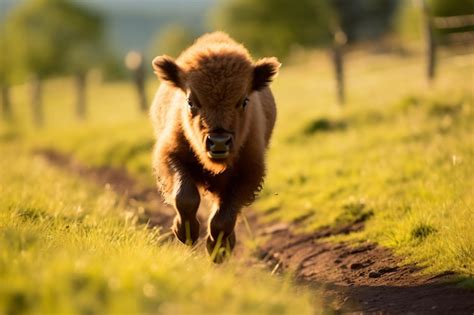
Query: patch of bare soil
[{"x": 362, "y": 278}]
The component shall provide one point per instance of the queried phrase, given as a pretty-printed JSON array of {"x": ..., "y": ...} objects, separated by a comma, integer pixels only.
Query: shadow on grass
[
  {"x": 323, "y": 125},
  {"x": 318, "y": 126},
  {"x": 9, "y": 135}
]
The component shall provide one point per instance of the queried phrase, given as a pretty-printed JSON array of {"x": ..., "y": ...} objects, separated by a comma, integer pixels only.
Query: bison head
[{"x": 217, "y": 95}]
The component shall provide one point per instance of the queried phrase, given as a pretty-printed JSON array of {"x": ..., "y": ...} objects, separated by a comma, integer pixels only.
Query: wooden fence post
[
  {"x": 80, "y": 83},
  {"x": 340, "y": 40},
  {"x": 430, "y": 43},
  {"x": 134, "y": 62},
  {"x": 6, "y": 102},
  {"x": 36, "y": 94}
]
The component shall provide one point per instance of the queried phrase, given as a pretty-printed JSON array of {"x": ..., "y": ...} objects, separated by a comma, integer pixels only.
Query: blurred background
[{"x": 116, "y": 40}]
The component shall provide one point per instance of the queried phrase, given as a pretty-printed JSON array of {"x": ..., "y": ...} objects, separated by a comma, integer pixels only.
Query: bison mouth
[{"x": 218, "y": 155}]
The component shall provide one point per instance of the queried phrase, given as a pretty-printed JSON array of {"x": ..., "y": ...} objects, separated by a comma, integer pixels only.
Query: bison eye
[
  {"x": 245, "y": 102},
  {"x": 190, "y": 104}
]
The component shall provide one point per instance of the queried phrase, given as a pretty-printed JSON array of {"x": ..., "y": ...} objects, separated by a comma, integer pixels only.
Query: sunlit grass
[
  {"x": 68, "y": 247},
  {"x": 399, "y": 152}
]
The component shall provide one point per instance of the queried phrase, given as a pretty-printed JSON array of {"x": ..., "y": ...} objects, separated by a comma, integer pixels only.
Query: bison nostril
[
  {"x": 228, "y": 142},
  {"x": 209, "y": 143}
]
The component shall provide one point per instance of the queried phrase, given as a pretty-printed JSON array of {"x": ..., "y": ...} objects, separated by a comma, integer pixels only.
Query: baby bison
[{"x": 213, "y": 116}]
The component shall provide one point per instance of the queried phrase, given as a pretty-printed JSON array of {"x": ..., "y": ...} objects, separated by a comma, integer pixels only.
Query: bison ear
[
  {"x": 265, "y": 70},
  {"x": 167, "y": 70}
]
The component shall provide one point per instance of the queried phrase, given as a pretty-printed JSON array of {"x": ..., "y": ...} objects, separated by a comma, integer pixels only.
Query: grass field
[
  {"x": 68, "y": 247},
  {"x": 399, "y": 154}
]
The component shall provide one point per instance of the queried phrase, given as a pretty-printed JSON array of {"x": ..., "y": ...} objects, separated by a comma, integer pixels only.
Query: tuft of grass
[
  {"x": 422, "y": 231},
  {"x": 353, "y": 212}
]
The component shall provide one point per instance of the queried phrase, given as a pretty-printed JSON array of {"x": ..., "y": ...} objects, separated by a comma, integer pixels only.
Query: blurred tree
[
  {"x": 171, "y": 40},
  {"x": 54, "y": 37},
  {"x": 275, "y": 26},
  {"x": 277, "y": 31},
  {"x": 271, "y": 27}
]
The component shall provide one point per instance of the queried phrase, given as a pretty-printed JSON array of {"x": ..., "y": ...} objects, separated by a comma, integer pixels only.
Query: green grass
[
  {"x": 399, "y": 153},
  {"x": 71, "y": 248}
]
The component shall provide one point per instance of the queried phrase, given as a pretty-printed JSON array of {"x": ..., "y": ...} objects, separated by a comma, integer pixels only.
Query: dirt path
[{"x": 365, "y": 278}]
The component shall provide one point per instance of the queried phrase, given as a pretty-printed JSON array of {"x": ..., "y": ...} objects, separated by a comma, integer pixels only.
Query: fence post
[
  {"x": 340, "y": 40},
  {"x": 36, "y": 94},
  {"x": 134, "y": 62},
  {"x": 6, "y": 101},
  {"x": 80, "y": 83},
  {"x": 430, "y": 43}
]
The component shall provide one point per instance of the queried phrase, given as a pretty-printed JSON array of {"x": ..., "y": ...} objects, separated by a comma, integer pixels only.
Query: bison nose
[{"x": 218, "y": 145}]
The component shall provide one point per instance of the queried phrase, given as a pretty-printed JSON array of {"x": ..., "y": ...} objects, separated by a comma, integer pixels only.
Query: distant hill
[{"x": 131, "y": 24}]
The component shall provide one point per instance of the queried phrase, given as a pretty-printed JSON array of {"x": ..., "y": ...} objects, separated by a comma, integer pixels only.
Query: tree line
[{"x": 44, "y": 38}]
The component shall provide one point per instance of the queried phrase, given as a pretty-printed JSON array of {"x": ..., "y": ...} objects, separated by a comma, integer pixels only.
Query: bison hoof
[
  {"x": 221, "y": 248},
  {"x": 187, "y": 232}
]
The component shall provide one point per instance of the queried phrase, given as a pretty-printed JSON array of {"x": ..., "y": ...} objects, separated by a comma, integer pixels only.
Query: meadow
[
  {"x": 71, "y": 247},
  {"x": 398, "y": 154}
]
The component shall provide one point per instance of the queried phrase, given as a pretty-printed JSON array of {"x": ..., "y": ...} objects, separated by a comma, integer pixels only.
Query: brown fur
[{"x": 216, "y": 74}]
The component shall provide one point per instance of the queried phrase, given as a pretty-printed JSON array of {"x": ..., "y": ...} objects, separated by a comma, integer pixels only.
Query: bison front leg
[
  {"x": 179, "y": 191},
  {"x": 221, "y": 239},
  {"x": 239, "y": 191},
  {"x": 186, "y": 202}
]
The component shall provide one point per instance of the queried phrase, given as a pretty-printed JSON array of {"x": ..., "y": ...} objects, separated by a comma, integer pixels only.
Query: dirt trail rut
[{"x": 356, "y": 279}]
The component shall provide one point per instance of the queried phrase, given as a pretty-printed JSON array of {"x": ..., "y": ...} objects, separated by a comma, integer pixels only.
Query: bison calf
[{"x": 213, "y": 116}]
